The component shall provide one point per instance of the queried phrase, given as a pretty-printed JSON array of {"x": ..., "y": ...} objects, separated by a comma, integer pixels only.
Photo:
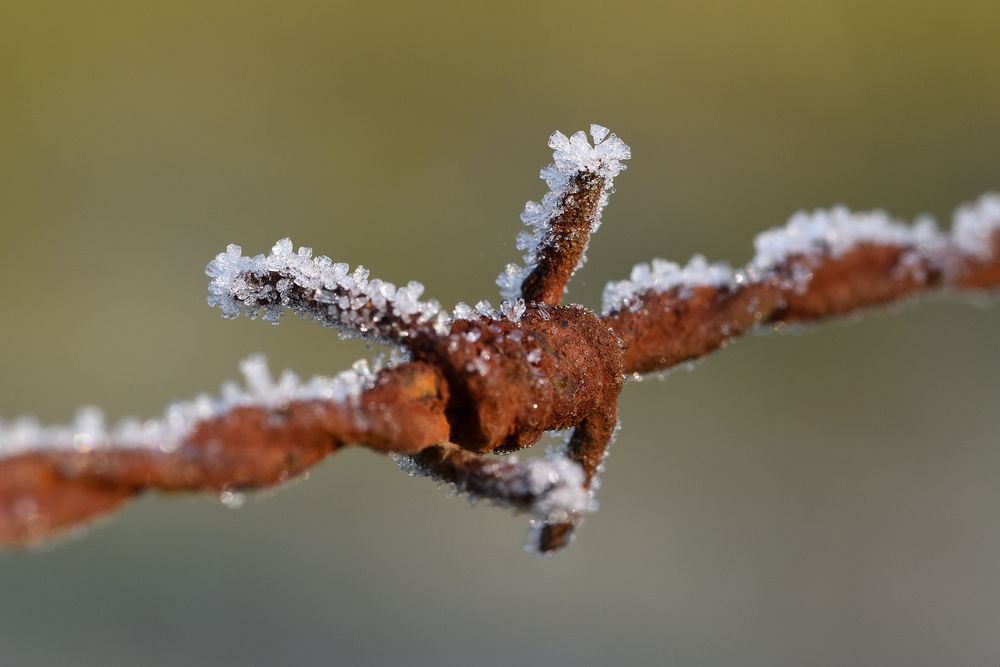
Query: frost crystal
[
  {"x": 975, "y": 224},
  {"x": 88, "y": 431},
  {"x": 512, "y": 310},
  {"x": 662, "y": 276},
  {"x": 318, "y": 288},
  {"x": 837, "y": 231},
  {"x": 485, "y": 309},
  {"x": 463, "y": 311},
  {"x": 571, "y": 156}
]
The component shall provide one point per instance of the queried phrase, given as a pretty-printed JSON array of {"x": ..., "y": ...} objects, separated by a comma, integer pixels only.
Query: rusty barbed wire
[{"x": 481, "y": 382}]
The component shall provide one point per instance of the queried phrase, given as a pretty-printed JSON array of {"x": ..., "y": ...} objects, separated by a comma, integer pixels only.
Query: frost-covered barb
[
  {"x": 317, "y": 288},
  {"x": 551, "y": 489},
  {"x": 580, "y": 179},
  {"x": 482, "y": 381}
]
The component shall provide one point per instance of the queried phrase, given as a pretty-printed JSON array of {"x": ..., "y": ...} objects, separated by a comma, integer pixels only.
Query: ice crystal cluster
[
  {"x": 835, "y": 232},
  {"x": 551, "y": 489},
  {"x": 571, "y": 157},
  {"x": 259, "y": 389},
  {"x": 974, "y": 225},
  {"x": 321, "y": 289}
]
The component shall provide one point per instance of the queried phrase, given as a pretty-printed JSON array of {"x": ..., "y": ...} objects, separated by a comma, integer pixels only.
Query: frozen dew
[
  {"x": 571, "y": 156},
  {"x": 598, "y": 132},
  {"x": 89, "y": 428},
  {"x": 485, "y": 309},
  {"x": 975, "y": 225},
  {"x": 232, "y": 499},
  {"x": 513, "y": 310},
  {"x": 463, "y": 311},
  {"x": 88, "y": 431},
  {"x": 511, "y": 279}
]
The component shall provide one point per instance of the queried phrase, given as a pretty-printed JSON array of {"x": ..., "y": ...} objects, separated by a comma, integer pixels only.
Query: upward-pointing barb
[{"x": 580, "y": 180}]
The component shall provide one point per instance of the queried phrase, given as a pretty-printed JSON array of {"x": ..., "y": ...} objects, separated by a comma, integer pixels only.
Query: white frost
[
  {"x": 513, "y": 310},
  {"x": 571, "y": 156},
  {"x": 485, "y": 309},
  {"x": 837, "y": 231},
  {"x": 88, "y": 431},
  {"x": 555, "y": 485},
  {"x": 975, "y": 224},
  {"x": 832, "y": 232},
  {"x": 558, "y": 482},
  {"x": 317, "y": 288},
  {"x": 463, "y": 311},
  {"x": 662, "y": 276}
]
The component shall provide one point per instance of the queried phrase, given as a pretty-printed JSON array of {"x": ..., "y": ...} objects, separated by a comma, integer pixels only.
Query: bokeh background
[{"x": 824, "y": 499}]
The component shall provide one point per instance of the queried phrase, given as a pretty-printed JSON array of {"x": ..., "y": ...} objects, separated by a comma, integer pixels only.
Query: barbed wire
[{"x": 475, "y": 383}]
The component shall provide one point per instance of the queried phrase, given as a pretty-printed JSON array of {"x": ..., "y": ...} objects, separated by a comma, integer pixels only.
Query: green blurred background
[{"x": 825, "y": 499}]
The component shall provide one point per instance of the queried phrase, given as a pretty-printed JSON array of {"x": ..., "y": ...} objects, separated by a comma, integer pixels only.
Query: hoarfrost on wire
[
  {"x": 554, "y": 485},
  {"x": 318, "y": 288},
  {"x": 832, "y": 232},
  {"x": 570, "y": 156},
  {"x": 837, "y": 231},
  {"x": 552, "y": 489},
  {"x": 661, "y": 276},
  {"x": 512, "y": 309},
  {"x": 975, "y": 224},
  {"x": 259, "y": 389}
]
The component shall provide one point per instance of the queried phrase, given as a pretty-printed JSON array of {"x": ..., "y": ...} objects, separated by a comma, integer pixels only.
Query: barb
[
  {"x": 482, "y": 380},
  {"x": 320, "y": 289},
  {"x": 588, "y": 447},
  {"x": 580, "y": 180},
  {"x": 550, "y": 489}
]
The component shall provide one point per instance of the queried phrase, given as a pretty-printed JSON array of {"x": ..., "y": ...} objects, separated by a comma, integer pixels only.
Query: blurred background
[{"x": 824, "y": 499}]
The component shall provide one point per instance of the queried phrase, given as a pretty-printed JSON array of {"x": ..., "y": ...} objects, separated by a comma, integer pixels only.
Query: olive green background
[{"x": 822, "y": 499}]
